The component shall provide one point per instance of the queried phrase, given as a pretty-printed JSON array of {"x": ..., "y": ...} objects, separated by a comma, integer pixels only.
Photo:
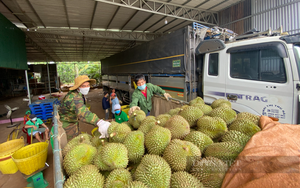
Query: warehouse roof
[{"x": 90, "y": 30}]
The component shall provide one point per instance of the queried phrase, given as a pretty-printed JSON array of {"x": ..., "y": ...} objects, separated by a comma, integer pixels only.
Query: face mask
[
  {"x": 117, "y": 112},
  {"x": 84, "y": 91},
  {"x": 142, "y": 87}
]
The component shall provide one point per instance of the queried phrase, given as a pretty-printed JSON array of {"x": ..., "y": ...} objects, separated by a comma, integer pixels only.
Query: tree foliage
[{"x": 67, "y": 71}]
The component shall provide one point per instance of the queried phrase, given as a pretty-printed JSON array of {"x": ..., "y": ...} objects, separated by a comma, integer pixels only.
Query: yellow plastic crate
[
  {"x": 7, "y": 165},
  {"x": 31, "y": 158},
  {"x": 11, "y": 146},
  {"x": 125, "y": 108}
]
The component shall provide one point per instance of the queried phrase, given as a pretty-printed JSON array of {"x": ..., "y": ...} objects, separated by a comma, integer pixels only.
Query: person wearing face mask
[
  {"x": 142, "y": 95},
  {"x": 73, "y": 108},
  {"x": 120, "y": 116}
]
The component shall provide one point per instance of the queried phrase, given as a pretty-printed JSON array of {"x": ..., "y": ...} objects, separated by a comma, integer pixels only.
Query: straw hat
[{"x": 80, "y": 80}]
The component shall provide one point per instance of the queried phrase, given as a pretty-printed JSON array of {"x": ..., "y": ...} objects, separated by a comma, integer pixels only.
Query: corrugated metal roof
[{"x": 59, "y": 19}]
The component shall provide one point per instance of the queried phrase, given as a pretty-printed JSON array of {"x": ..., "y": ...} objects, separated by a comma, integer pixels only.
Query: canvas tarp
[
  {"x": 163, "y": 55},
  {"x": 270, "y": 158}
]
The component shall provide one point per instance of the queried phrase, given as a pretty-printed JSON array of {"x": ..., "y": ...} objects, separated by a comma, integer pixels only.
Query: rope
[{"x": 60, "y": 181}]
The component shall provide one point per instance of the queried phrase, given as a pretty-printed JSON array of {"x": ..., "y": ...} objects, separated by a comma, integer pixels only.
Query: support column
[
  {"x": 27, "y": 84},
  {"x": 48, "y": 78}
]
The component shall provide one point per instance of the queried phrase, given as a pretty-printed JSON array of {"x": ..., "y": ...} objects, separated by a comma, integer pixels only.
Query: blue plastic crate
[{"x": 36, "y": 111}]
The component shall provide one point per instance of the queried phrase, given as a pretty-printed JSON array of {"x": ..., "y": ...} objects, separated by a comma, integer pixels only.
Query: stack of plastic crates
[{"x": 43, "y": 109}]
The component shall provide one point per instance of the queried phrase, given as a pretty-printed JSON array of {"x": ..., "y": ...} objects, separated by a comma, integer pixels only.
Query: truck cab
[{"x": 258, "y": 75}]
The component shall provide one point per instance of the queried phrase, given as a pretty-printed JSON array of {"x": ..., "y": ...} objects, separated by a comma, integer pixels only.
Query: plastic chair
[{"x": 29, "y": 137}]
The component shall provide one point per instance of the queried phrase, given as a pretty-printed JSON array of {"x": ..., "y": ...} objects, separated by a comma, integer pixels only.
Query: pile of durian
[{"x": 191, "y": 146}]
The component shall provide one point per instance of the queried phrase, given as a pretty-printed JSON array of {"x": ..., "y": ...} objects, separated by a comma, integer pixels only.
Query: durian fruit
[
  {"x": 184, "y": 106},
  {"x": 117, "y": 132},
  {"x": 196, "y": 100},
  {"x": 136, "y": 118},
  {"x": 163, "y": 118},
  {"x": 129, "y": 125},
  {"x": 86, "y": 176},
  {"x": 214, "y": 127},
  {"x": 226, "y": 151},
  {"x": 82, "y": 138},
  {"x": 136, "y": 184},
  {"x": 174, "y": 111},
  {"x": 246, "y": 115},
  {"x": 181, "y": 154},
  {"x": 224, "y": 112},
  {"x": 134, "y": 143},
  {"x": 132, "y": 167},
  {"x": 200, "y": 139},
  {"x": 191, "y": 114},
  {"x": 220, "y": 102},
  {"x": 97, "y": 134},
  {"x": 98, "y": 162},
  {"x": 178, "y": 126},
  {"x": 147, "y": 125},
  {"x": 118, "y": 178},
  {"x": 206, "y": 109},
  {"x": 149, "y": 119},
  {"x": 105, "y": 173},
  {"x": 153, "y": 171},
  {"x": 236, "y": 136},
  {"x": 183, "y": 179},
  {"x": 244, "y": 126},
  {"x": 157, "y": 140},
  {"x": 78, "y": 156},
  {"x": 96, "y": 141},
  {"x": 115, "y": 155},
  {"x": 210, "y": 171}
]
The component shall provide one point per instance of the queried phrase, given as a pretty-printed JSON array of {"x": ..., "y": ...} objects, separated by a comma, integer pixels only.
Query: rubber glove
[
  {"x": 133, "y": 109},
  {"x": 102, "y": 128},
  {"x": 167, "y": 96}
]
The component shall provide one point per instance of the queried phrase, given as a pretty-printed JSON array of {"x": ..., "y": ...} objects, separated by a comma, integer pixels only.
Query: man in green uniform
[
  {"x": 33, "y": 125},
  {"x": 142, "y": 96},
  {"x": 73, "y": 108}
]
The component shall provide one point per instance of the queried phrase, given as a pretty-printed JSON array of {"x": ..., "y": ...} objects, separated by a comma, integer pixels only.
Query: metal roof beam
[
  {"x": 42, "y": 44},
  {"x": 138, "y": 36},
  {"x": 29, "y": 40},
  {"x": 93, "y": 15},
  {"x": 129, "y": 20},
  {"x": 113, "y": 17},
  {"x": 36, "y": 14},
  {"x": 166, "y": 9},
  {"x": 66, "y": 11},
  {"x": 165, "y": 17}
]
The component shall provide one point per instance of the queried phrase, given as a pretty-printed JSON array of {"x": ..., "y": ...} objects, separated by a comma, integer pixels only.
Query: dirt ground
[{"x": 94, "y": 98}]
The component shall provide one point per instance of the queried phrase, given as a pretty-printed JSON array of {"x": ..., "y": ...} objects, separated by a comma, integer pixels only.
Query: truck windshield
[{"x": 297, "y": 57}]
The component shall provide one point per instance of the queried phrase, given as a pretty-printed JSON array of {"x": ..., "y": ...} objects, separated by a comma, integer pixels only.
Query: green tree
[{"x": 67, "y": 72}]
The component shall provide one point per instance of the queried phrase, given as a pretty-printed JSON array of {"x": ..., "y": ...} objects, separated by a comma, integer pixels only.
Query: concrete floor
[{"x": 94, "y": 98}]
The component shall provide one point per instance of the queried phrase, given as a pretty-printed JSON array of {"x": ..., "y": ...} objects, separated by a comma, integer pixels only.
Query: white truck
[
  {"x": 259, "y": 75},
  {"x": 258, "y": 72}
]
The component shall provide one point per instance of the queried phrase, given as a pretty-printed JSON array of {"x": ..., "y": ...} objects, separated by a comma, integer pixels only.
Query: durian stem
[
  {"x": 81, "y": 139},
  {"x": 112, "y": 134}
]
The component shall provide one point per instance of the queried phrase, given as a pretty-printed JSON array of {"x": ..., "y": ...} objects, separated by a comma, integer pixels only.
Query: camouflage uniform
[{"x": 73, "y": 107}]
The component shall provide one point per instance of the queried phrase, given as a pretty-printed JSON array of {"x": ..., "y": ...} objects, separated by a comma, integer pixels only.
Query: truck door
[
  {"x": 213, "y": 77},
  {"x": 260, "y": 80}
]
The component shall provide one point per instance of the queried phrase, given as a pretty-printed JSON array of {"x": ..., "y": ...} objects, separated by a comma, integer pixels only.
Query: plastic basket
[
  {"x": 11, "y": 146},
  {"x": 125, "y": 108},
  {"x": 95, "y": 129},
  {"x": 7, "y": 165},
  {"x": 31, "y": 158}
]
